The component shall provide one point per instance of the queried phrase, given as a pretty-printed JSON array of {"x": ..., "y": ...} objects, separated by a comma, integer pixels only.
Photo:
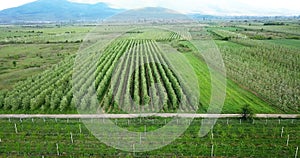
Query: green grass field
[
  {"x": 43, "y": 34},
  {"x": 20, "y": 61},
  {"x": 236, "y": 97},
  {"x": 292, "y": 29},
  {"x": 287, "y": 43},
  {"x": 26, "y": 51}
]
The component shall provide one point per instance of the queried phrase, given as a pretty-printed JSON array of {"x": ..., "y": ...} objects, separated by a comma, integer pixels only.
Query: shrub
[
  {"x": 15, "y": 63},
  {"x": 247, "y": 112}
]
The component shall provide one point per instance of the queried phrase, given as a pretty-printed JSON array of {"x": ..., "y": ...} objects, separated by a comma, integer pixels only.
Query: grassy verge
[{"x": 236, "y": 97}]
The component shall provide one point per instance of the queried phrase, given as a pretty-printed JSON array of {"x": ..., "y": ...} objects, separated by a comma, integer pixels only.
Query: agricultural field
[
  {"x": 289, "y": 29},
  {"x": 139, "y": 72},
  {"x": 229, "y": 138},
  {"x": 287, "y": 42},
  {"x": 26, "y": 51},
  {"x": 262, "y": 64},
  {"x": 42, "y": 34},
  {"x": 280, "y": 73},
  {"x": 51, "y": 91}
]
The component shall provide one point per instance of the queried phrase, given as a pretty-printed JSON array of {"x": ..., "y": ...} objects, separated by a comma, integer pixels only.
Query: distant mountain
[
  {"x": 42, "y": 11},
  {"x": 56, "y": 10},
  {"x": 150, "y": 14}
]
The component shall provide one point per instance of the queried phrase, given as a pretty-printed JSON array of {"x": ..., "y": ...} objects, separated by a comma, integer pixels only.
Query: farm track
[{"x": 164, "y": 115}]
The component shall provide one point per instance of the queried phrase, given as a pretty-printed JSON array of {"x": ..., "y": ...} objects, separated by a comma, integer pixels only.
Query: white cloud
[{"x": 215, "y": 7}]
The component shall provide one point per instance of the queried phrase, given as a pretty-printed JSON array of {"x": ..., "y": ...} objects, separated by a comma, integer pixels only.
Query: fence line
[{"x": 164, "y": 115}]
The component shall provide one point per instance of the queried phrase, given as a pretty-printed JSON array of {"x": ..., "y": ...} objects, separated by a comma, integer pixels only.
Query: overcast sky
[{"x": 214, "y": 7}]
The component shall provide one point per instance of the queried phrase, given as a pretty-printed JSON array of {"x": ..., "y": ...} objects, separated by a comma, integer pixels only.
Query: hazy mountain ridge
[
  {"x": 42, "y": 11},
  {"x": 57, "y": 10}
]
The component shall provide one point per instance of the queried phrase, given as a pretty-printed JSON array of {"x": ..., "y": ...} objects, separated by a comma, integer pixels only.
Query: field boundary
[{"x": 163, "y": 115}]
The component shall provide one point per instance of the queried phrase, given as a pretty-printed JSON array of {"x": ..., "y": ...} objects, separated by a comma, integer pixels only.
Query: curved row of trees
[
  {"x": 144, "y": 82},
  {"x": 130, "y": 75}
]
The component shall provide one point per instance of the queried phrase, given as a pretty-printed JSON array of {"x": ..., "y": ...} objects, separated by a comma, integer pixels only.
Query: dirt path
[{"x": 112, "y": 116}]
